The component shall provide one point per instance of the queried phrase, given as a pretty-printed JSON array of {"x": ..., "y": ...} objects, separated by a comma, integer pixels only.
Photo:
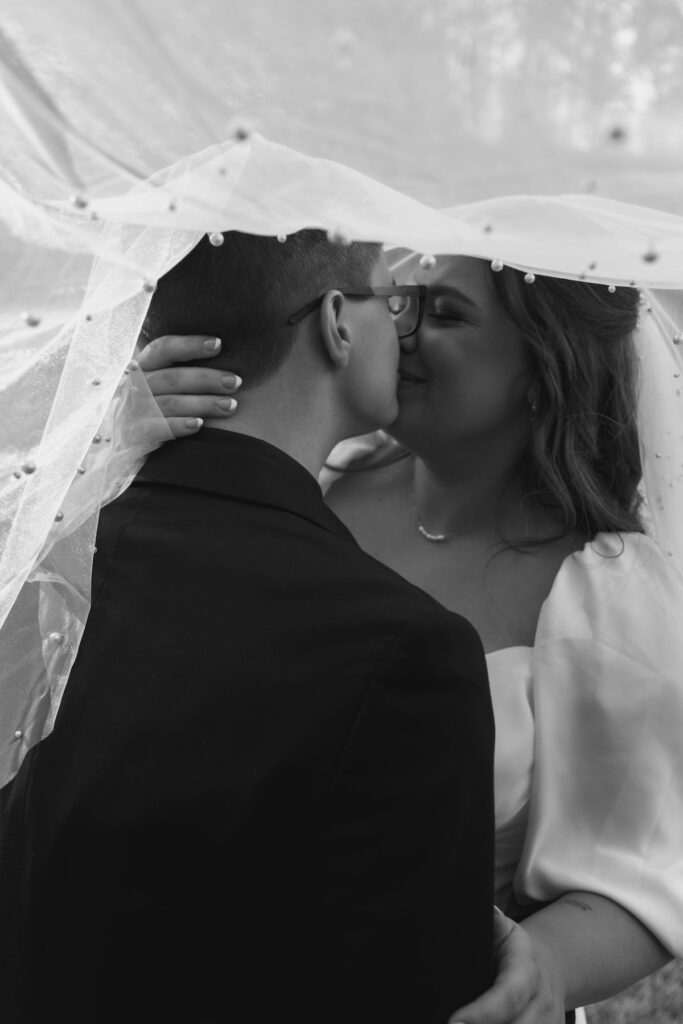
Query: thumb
[
  {"x": 496, "y": 1006},
  {"x": 508, "y": 995}
]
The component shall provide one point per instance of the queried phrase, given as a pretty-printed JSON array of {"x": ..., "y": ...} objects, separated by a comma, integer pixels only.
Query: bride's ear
[{"x": 335, "y": 330}]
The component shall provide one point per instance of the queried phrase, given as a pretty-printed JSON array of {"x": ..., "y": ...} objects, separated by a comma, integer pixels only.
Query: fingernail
[
  {"x": 227, "y": 404},
  {"x": 212, "y": 344},
  {"x": 194, "y": 423},
  {"x": 232, "y": 381}
]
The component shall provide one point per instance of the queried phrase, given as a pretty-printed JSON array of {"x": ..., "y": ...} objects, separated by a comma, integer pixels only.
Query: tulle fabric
[
  {"x": 451, "y": 101},
  {"x": 127, "y": 136},
  {"x": 659, "y": 343}
]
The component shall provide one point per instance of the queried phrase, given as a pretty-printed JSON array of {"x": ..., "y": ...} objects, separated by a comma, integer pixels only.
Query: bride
[
  {"x": 578, "y": 608},
  {"x": 508, "y": 488}
]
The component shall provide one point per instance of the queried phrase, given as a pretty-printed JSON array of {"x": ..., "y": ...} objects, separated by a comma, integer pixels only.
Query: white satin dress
[
  {"x": 588, "y": 770},
  {"x": 588, "y": 766},
  {"x": 589, "y": 739}
]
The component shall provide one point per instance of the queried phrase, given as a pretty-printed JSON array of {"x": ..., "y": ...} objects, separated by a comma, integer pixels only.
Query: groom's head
[{"x": 245, "y": 290}]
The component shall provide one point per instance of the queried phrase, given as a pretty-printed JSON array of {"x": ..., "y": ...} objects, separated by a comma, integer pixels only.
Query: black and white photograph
[{"x": 341, "y": 511}]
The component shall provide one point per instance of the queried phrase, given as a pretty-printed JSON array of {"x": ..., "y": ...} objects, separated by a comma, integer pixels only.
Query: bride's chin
[
  {"x": 404, "y": 429},
  {"x": 417, "y": 435}
]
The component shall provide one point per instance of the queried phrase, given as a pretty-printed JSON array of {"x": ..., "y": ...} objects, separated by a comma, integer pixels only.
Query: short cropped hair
[{"x": 244, "y": 291}]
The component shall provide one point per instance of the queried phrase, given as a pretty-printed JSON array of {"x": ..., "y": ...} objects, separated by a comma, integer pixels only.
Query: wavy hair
[{"x": 583, "y": 464}]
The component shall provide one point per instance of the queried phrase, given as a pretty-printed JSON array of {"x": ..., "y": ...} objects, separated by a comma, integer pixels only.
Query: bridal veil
[{"x": 130, "y": 129}]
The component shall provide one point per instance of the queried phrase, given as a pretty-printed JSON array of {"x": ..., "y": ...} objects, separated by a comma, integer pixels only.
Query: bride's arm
[
  {"x": 581, "y": 949},
  {"x": 599, "y": 946},
  {"x": 187, "y": 395}
]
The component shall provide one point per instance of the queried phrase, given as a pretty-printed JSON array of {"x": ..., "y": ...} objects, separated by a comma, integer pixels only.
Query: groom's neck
[{"x": 300, "y": 423}]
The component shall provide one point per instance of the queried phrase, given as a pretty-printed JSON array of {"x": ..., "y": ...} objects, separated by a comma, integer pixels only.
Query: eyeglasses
[{"x": 405, "y": 301}]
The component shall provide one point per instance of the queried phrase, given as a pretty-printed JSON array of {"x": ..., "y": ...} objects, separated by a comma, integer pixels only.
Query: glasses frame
[{"x": 380, "y": 291}]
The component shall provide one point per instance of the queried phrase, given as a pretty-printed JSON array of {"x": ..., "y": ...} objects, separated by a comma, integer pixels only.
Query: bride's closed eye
[
  {"x": 450, "y": 306},
  {"x": 446, "y": 313}
]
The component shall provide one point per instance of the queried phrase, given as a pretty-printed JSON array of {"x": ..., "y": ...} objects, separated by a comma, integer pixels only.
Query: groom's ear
[{"x": 335, "y": 329}]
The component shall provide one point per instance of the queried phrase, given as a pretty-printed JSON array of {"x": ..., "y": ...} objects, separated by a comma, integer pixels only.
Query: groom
[{"x": 268, "y": 794}]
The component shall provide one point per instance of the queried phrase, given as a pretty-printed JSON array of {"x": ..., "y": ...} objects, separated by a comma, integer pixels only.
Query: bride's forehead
[
  {"x": 406, "y": 264},
  {"x": 460, "y": 270}
]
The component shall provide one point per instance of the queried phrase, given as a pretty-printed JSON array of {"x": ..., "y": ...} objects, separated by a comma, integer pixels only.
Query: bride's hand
[
  {"x": 187, "y": 395},
  {"x": 527, "y": 988}
]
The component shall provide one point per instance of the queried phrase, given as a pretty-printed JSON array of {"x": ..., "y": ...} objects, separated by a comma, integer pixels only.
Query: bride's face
[{"x": 465, "y": 377}]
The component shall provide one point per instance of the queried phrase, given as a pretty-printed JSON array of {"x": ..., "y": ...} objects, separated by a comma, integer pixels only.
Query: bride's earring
[{"x": 532, "y": 398}]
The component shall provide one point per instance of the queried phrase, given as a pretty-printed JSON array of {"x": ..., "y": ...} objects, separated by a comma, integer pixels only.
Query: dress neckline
[
  {"x": 581, "y": 552},
  {"x": 506, "y": 650}
]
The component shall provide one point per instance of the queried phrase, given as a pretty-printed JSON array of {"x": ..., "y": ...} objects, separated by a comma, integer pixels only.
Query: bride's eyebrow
[{"x": 452, "y": 292}]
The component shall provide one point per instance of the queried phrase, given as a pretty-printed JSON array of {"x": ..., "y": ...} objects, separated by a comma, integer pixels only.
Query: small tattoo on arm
[{"x": 575, "y": 903}]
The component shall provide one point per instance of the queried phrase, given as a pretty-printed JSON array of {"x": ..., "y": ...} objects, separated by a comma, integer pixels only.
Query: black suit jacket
[{"x": 269, "y": 789}]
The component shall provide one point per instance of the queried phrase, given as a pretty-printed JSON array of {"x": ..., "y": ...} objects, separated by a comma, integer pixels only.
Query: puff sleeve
[{"x": 606, "y": 811}]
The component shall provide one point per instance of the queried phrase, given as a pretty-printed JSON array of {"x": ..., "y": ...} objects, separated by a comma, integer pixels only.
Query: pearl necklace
[{"x": 434, "y": 538}]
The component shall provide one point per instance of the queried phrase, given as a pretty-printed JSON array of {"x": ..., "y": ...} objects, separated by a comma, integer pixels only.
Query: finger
[
  {"x": 204, "y": 406},
  {"x": 499, "y": 1005},
  {"x": 541, "y": 1010},
  {"x": 176, "y": 348},
  {"x": 192, "y": 380},
  {"x": 184, "y": 427},
  {"x": 502, "y": 927},
  {"x": 150, "y": 431}
]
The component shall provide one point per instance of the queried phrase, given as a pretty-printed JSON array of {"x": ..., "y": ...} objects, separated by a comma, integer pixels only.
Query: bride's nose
[{"x": 409, "y": 344}]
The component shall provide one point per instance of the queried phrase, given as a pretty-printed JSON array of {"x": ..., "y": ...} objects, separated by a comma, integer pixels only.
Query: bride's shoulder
[
  {"x": 619, "y": 589},
  {"x": 612, "y": 562}
]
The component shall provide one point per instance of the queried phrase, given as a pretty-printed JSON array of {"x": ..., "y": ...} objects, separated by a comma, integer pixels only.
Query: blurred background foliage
[
  {"x": 655, "y": 1000},
  {"x": 450, "y": 100}
]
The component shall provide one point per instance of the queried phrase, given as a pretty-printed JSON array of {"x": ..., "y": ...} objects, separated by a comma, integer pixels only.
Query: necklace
[{"x": 434, "y": 538}]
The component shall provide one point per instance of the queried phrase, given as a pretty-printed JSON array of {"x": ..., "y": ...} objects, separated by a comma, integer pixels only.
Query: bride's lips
[{"x": 407, "y": 379}]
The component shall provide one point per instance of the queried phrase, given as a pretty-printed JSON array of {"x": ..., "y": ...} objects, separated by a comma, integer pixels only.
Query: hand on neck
[
  {"x": 297, "y": 412},
  {"x": 331, "y": 385}
]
